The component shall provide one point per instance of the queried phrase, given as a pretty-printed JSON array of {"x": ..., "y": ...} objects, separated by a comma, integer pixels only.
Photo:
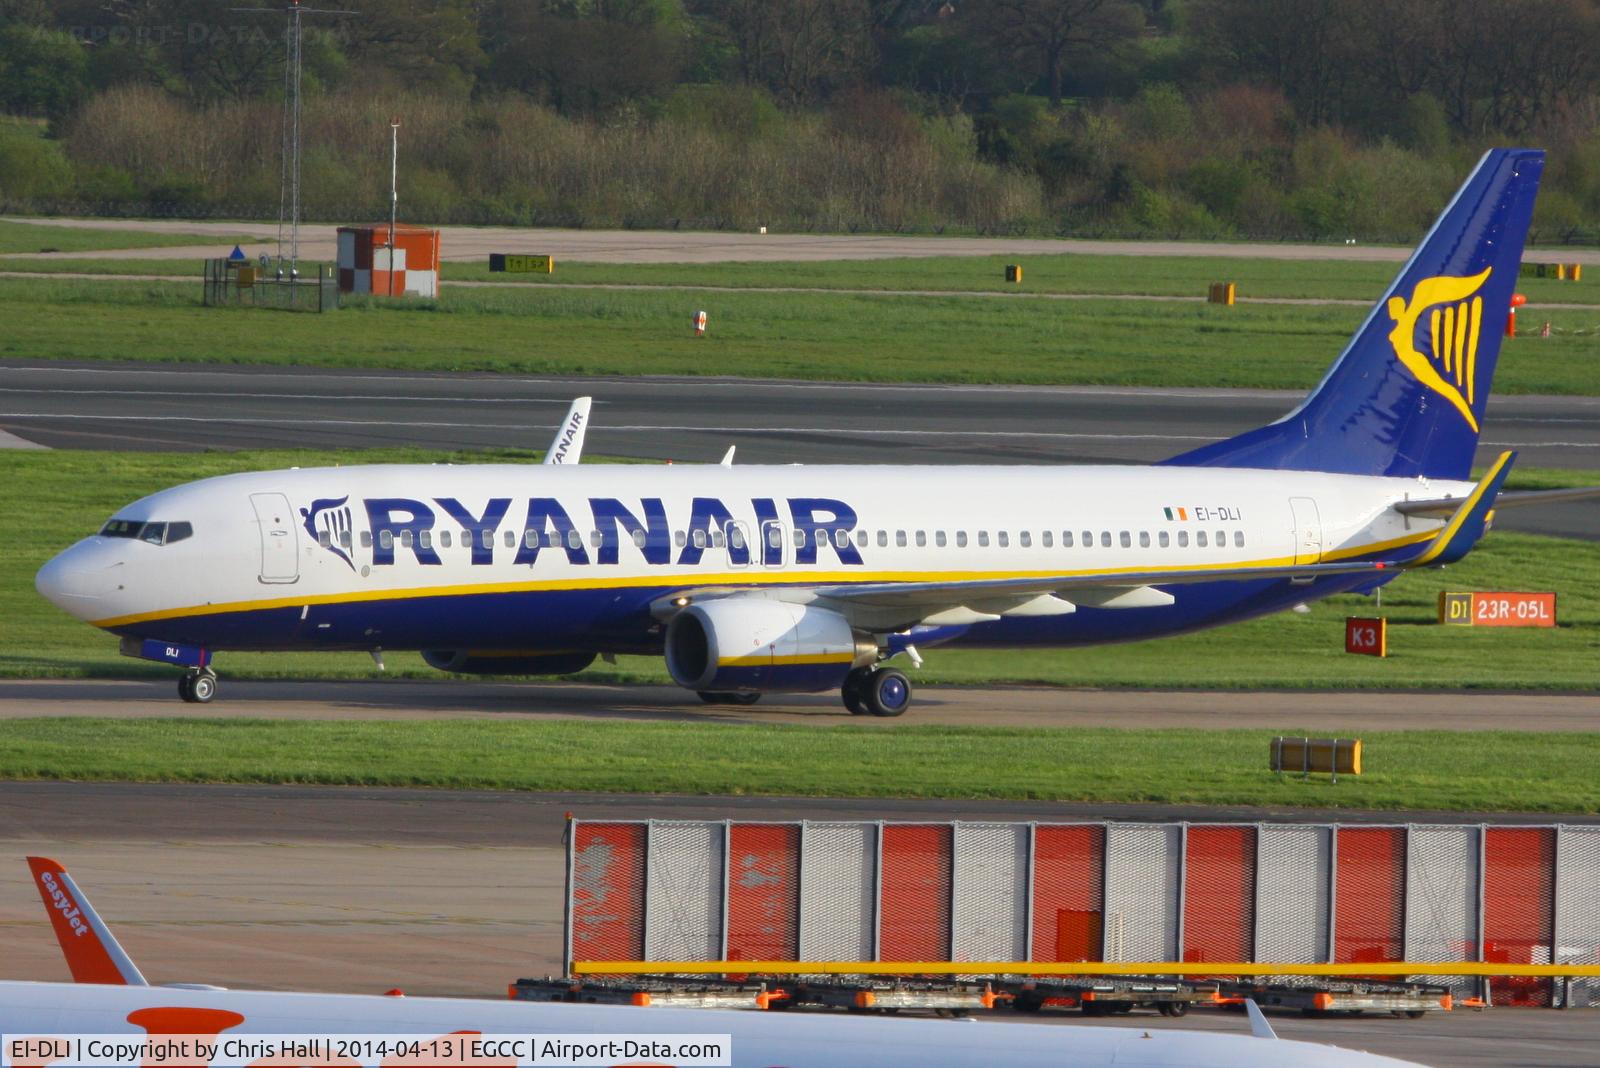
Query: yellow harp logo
[{"x": 1455, "y": 320}]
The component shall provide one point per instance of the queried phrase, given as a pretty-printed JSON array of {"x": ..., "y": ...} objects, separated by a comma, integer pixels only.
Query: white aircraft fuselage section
[{"x": 609, "y": 539}]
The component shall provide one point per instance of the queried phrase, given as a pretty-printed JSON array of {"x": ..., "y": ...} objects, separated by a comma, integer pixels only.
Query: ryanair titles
[{"x": 809, "y": 526}]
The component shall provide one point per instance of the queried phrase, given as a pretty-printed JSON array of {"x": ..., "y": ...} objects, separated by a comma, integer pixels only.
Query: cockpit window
[{"x": 151, "y": 533}]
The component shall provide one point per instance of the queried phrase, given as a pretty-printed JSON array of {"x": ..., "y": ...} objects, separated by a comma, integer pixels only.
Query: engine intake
[{"x": 749, "y": 643}]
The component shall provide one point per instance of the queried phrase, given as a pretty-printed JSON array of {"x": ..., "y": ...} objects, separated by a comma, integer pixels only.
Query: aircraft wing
[
  {"x": 567, "y": 446},
  {"x": 93, "y": 953}
]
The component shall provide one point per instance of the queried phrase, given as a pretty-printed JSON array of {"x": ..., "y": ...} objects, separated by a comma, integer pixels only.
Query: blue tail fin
[{"x": 1407, "y": 395}]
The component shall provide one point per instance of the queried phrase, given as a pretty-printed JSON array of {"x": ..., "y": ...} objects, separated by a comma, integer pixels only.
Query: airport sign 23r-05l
[{"x": 1498, "y": 609}]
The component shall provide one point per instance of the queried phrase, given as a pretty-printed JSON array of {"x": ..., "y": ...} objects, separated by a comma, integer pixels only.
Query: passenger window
[
  {"x": 366, "y": 539},
  {"x": 938, "y": 538},
  {"x": 386, "y": 539},
  {"x": 699, "y": 539},
  {"x": 638, "y": 539},
  {"x": 574, "y": 541},
  {"x": 861, "y": 538},
  {"x": 717, "y": 540},
  {"x": 323, "y": 539},
  {"x": 406, "y": 539},
  {"x": 1126, "y": 539},
  {"x": 344, "y": 535},
  {"x": 841, "y": 538},
  {"x": 1222, "y": 539},
  {"x": 426, "y": 539},
  {"x": 883, "y": 539},
  {"x": 1003, "y": 538},
  {"x": 819, "y": 537},
  {"x": 679, "y": 538},
  {"x": 922, "y": 538},
  {"x": 486, "y": 538},
  {"x": 1200, "y": 538},
  {"x": 775, "y": 538},
  {"x": 1088, "y": 539},
  {"x": 1164, "y": 538},
  {"x": 1238, "y": 539},
  {"x": 1025, "y": 539},
  {"x": 961, "y": 539},
  {"x": 1105, "y": 539},
  {"x": 799, "y": 539},
  {"x": 983, "y": 539},
  {"x": 736, "y": 537},
  {"x": 1144, "y": 539},
  {"x": 1046, "y": 535},
  {"x": 594, "y": 539},
  {"x": 529, "y": 538},
  {"x": 180, "y": 531},
  {"x": 444, "y": 539},
  {"x": 1066, "y": 539},
  {"x": 900, "y": 539},
  {"x": 510, "y": 539},
  {"x": 1183, "y": 539}
]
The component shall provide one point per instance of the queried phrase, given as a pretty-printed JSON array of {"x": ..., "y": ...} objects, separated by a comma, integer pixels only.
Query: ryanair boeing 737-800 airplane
[{"x": 770, "y": 579}]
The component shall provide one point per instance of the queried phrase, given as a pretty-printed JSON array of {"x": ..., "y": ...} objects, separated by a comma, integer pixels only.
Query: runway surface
[
  {"x": 1340, "y": 713},
  {"x": 445, "y": 892},
  {"x": 318, "y": 242},
  {"x": 184, "y": 407}
]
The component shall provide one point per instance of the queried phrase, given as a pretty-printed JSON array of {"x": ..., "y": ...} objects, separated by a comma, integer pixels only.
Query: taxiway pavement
[{"x": 189, "y": 407}]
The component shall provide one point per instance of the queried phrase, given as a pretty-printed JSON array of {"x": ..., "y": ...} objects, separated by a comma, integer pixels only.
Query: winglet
[
  {"x": 568, "y": 444},
  {"x": 1259, "y": 1027},
  {"x": 92, "y": 952},
  {"x": 1470, "y": 520}
]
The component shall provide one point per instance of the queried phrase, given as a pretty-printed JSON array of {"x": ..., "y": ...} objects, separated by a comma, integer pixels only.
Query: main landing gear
[
  {"x": 198, "y": 687},
  {"x": 876, "y": 692}
]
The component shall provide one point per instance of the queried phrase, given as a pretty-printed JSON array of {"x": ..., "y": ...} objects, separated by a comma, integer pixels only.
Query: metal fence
[
  {"x": 662, "y": 890},
  {"x": 240, "y": 283}
]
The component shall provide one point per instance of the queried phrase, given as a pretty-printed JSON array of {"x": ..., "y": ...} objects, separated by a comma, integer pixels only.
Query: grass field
[
  {"x": 21, "y": 237},
  {"x": 837, "y": 336},
  {"x": 1413, "y": 769},
  {"x": 70, "y": 494},
  {"x": 1158, "y": 276}
]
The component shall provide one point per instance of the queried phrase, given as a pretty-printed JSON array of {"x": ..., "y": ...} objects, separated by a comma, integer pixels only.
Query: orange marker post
[{"x": 700, "y": 324}]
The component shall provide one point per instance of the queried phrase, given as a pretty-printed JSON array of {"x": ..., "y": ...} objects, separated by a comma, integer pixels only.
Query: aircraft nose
[{"x": 76, "y": 580}]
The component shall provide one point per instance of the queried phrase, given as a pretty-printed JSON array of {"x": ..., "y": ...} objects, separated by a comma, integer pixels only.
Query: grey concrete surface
[
  {"x": 179, "y": 407},
  {"x": 458, "y": 893},
  {"x": 1338, "y": 713},
  {"x": 317, "y": 242}
]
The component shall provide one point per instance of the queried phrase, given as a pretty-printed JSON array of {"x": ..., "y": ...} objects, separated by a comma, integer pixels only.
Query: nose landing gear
[
  {"x": 198, "y": 687},
  {"x": 876, "y": 692}
]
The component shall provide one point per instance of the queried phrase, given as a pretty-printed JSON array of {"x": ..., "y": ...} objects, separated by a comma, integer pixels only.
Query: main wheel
[
  {"x": 185, "y": 688},
  {"x": 851, "y": 691},
  {"x": 202, "y": 687},
  {"x": 734, "y": 697},
  {"x": 887, "y": 692}
]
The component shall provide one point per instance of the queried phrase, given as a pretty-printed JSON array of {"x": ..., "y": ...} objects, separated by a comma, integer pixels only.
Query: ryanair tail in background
[{"x": 1407, "y": 396}]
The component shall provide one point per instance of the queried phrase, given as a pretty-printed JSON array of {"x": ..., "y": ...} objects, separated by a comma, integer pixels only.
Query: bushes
[{"x": 31, "y": 168}]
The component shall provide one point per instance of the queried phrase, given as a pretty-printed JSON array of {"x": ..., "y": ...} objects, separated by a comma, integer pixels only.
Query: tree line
[{"x": 1306, "y": 118}]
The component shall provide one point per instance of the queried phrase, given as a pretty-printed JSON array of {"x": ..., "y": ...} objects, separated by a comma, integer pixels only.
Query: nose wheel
[
  {"x": 876, "y": 692},
  {"x": 198, "y": 687}
]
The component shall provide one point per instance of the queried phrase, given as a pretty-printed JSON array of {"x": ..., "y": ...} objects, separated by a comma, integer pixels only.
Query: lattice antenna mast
[{"x": 289, "y": 165}]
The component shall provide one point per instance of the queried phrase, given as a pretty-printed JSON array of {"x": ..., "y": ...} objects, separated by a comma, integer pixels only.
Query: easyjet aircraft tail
[
  {"x": 93, "y": 954},
  {"x": 1407, "y": 396}
]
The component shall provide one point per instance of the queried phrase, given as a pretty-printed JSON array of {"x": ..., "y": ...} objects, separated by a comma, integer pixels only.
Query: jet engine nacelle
[
  {"x": 751, "y": 643},
  {"x": 497, "y": 662}
]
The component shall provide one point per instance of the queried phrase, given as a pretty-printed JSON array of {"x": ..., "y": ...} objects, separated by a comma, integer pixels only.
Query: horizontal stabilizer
[
  {"x": 1444, "y": 507},
  {"x": 1469, "y": 520}
]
